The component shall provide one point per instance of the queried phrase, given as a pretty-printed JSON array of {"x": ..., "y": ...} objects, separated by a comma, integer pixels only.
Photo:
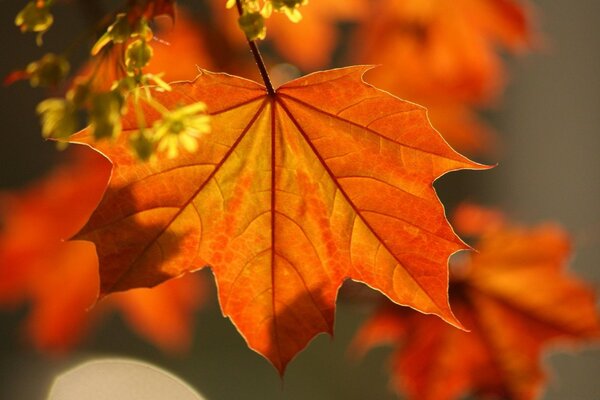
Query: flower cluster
[
  {"x": 104, "y": 100},
  {"x": 254, "y": 13}
]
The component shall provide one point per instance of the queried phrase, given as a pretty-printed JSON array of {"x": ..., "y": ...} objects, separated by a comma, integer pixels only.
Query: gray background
[{"x": 549, "y": 170}]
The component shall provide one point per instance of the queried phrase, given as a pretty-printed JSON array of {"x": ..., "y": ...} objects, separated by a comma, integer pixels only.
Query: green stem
[{"x": 257, "y": 57}]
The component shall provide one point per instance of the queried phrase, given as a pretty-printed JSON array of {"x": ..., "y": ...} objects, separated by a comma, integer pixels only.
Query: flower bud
[
  {"x": 142, "y": 145},
  {"x": 290, "y": 8},
  {"x": 253, "y": 25},
  {"x": 50, "y": 70},
  {"x": 35, "y": 17},
  {"x": 138, "y": 55}
]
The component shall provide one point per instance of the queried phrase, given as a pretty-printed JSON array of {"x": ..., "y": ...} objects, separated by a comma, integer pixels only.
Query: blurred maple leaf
[
  {"x": 516, "y": 298},
  {"x": 445, "y": 54},
  {"x": 60, "y": 279},
  {"x": 286, "y": 197},
  {"x": 34, "y": 260},
  {"x": 36, "y": 219},
  {"x": 64, "y": 287},
  {"x": 444, "y": 50}
]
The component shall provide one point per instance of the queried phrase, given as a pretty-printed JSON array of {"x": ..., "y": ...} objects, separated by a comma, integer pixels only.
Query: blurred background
[{"x": 547, "y": 124}]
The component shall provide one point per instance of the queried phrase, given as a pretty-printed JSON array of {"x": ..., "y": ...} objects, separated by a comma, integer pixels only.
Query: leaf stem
[{"x": 257, "y": 56}]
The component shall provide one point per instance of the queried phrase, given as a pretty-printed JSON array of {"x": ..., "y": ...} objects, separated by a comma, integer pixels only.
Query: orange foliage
[
  {"x": 165, "y": 314},
  {"x": 285, "y": 198},
  {"x": 442, "y": 50},
  {"x": 462, "y": 128},
  {"x": 444, "y": 54},
  {"x": 36, "y": 219},
  {"x": 60, "y": 279},
  {"x": 515, "y": 297}
]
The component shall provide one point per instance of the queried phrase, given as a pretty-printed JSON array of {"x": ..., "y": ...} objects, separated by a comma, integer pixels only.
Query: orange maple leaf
[
  {"x": 60, "y": 279},
  {"x": 290, "y": 194},
  {"x": 37, "y": 218},
  {"x": 446, "y": 55},
  {"x": 445, "y": 50},
  {"x": 462, "y": 127},
  {"x": 516, "y": 299}
]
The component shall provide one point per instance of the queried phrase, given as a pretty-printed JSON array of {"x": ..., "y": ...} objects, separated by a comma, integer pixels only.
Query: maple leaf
[
  {"x": 510, "y": 323},
  {"x": 462, "y": 127},
  {"x": 60, "y": 279},
  {"x": 36, "y": 218},
  {"x": 446, "y": 55},
  {"x": 290, "y": 194}
]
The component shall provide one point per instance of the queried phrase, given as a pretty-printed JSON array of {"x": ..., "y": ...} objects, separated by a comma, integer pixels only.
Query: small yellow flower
[
  {"x": 181, "y": 128},
  {"x": 50, "y": 70},
  {"x": 142, "y": 145},
  {"x": 290, "y": 8}
]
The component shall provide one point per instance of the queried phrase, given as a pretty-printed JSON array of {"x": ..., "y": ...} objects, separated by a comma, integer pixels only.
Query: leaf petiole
[{"x": 257, "y": 56}]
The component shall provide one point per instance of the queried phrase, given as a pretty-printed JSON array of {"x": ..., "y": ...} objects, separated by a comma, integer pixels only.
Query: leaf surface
[
  {"x": 287, "y": 197},
  {"x": 447, "y": 50},
  {"x": 516, "y": 299}
]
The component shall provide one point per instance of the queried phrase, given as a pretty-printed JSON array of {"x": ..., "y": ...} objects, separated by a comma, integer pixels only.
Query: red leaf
[
  {"x": 60, "y": 280},
  {"x": 515, "y": 298}
]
